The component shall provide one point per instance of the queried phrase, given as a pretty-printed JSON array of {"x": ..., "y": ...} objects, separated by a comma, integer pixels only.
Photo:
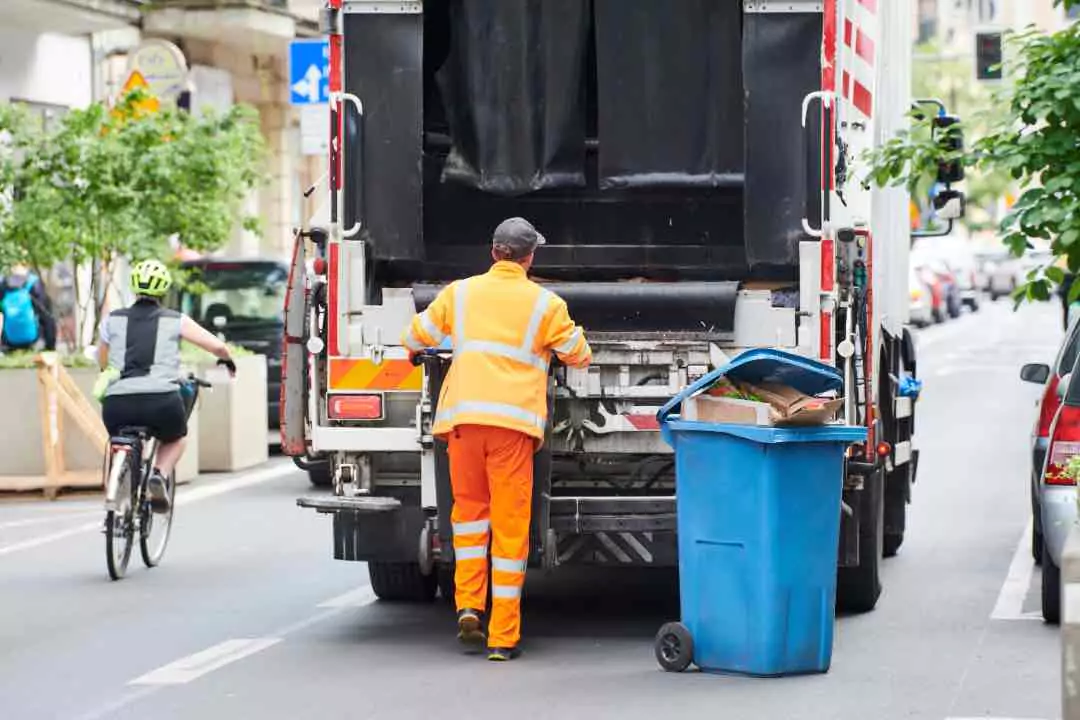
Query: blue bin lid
[{"x": 765, "y": 366}]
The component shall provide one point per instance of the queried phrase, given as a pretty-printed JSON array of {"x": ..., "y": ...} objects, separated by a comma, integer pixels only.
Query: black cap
[{"x": 516, "y": 238}]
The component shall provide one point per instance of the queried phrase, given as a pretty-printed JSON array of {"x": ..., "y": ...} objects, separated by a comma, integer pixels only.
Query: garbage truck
[{"x": 693, "y": 166}]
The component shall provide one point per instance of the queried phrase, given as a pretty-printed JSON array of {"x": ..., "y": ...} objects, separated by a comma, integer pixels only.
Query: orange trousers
[{"x": 491, "y": 472}]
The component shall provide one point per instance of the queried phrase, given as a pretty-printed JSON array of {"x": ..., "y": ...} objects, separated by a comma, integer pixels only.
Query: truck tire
[
  {"x": 1051, "y": 589},
  {"x": 896, "y": 500},
  {"x": 320, "y": 476},
  {"x": 445, "y": 575},
  {"x": 858, "y": 588},
  {"x": 401, "y": 582}
]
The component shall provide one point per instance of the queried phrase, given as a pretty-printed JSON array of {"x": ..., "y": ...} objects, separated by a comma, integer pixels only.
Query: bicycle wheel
[
  {"x": 119, "y": 535},
  {"x": 155, "y": 528}
]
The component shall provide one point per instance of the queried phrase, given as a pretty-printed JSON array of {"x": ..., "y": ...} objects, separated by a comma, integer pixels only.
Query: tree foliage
[
  {"x": 110, "y": 183},
  {"x": 1033, "y": 136}
]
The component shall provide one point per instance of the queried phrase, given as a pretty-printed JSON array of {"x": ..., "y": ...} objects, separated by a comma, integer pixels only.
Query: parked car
[
  {"x": 242, "y": 301},
  {"x": 927, "y": 259},
  {"x": 1054, "y": 439},
  {"x": 925, "y": 305},
  {"x": 961, "y": 262}
]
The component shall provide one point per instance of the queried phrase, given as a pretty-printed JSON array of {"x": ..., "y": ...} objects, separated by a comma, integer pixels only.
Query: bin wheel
[{"x": 674, "y": 647}]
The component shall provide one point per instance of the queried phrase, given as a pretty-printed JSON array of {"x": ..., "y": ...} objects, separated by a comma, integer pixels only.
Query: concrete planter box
[
  {"x": 1070, "y": 627},
  {"x": 233, "y": 417},
  {"x": 188, "y": 467},
  {"x": 20, "y": 431}
]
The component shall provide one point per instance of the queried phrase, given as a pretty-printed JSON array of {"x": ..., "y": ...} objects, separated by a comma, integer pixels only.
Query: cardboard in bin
[{"x": 788, "y": 382}]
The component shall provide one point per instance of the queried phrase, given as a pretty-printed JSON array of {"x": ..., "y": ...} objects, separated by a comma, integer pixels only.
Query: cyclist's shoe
[
  {"x": 158, "y": 486},
  {"x": 470, "y": 629}
]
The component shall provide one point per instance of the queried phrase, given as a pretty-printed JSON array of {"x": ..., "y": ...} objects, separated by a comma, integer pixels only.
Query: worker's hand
[{"x": 229, "y": 365}]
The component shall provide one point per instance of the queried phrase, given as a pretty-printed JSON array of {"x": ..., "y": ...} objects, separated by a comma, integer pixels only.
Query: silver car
[{"x": 1055, "y": 440}]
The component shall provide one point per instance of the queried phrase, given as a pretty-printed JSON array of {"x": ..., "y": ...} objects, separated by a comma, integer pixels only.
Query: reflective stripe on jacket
[{"x": 504, "y": 328}]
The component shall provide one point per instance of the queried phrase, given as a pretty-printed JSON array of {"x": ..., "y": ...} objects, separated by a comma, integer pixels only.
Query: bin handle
[{"x": 674, "y": 403}]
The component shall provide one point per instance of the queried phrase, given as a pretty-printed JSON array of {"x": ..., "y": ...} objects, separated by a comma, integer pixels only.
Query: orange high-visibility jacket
[{"x": 504, "y": 328}]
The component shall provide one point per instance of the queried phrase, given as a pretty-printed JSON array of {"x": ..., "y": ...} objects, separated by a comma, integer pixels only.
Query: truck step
[{"x": 358, "y": 504}]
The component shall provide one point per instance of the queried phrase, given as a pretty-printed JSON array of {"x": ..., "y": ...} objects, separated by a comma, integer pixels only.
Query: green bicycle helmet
[{"x": 150, "y": 278}]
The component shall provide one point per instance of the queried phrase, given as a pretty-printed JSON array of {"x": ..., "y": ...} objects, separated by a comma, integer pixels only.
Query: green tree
[
  {"x": 1033, "y": 138},
  {"x": 117, "y": 183}
]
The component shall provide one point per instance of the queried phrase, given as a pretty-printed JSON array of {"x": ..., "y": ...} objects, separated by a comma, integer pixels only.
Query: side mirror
[
  {"x": 1037, "y": 373},
  {"x": 947, "y": 131},
  {"x": 950, "y": 205},
  {"x": 1063, "y": 386}
]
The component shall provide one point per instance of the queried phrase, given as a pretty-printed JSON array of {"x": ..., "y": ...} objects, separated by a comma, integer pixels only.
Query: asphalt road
[{"x": 249, "y": 617}]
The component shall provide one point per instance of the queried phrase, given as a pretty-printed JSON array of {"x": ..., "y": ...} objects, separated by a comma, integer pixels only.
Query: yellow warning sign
[{"x": 136, "y": 81}]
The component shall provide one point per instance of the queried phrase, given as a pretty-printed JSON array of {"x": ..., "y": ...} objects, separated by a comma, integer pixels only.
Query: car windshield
[
  {"x": 1069, "y": 351},
  {"x": 224, "y": 294}
]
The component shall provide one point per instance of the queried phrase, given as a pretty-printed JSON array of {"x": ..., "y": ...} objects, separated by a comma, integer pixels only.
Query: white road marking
[
  {"x": 52, "y": 520},
  {"x": 51, "y": 538},
  {"x": 989, "y": 717},
  {"x": 256, "y": 477},
  {"x": 187, "y": 497},
  {"x": 1010, "y": 601},
  {"x": 359, "y": 597},
  {"x": 206, "y": 661}
]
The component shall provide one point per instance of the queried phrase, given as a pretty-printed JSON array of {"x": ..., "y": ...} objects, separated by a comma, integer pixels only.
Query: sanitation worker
[{"x": 492, "y": 412}]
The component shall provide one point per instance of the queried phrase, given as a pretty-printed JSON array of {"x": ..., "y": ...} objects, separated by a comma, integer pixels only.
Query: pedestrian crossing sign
[{"x": 136, "y": 81}]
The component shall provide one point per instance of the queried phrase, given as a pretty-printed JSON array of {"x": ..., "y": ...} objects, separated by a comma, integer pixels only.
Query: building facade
[
  {"x": 952, "y": 24},
  {"x": 60, "y": 54}
]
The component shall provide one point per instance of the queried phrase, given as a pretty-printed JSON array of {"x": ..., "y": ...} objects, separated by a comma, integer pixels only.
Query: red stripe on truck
[{"x": 332, "y": 311}]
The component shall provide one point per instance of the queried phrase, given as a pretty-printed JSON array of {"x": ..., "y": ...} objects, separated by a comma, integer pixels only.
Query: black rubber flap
[
  {"x": 669, "y": 93},
  {"x": 782, "y": 64},
  {"x": 514, "y": 94},
  {"x": 383, "y": 67},
  {"x": 685, "y": 307}
]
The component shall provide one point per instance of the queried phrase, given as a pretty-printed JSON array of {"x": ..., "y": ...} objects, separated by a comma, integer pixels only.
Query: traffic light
[{"x": 988, "y": 56}]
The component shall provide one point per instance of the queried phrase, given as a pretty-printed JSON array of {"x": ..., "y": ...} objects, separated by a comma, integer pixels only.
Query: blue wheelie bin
[{"x": 758, "y": 524}]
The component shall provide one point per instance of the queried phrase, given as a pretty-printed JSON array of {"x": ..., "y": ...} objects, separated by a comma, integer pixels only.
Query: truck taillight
[
  {"x": 1049, "y": 406},
  {"x": 319, "y": 266},
  {"x": 1064, "y": 445},
  {"x": 355, "y": 407}
]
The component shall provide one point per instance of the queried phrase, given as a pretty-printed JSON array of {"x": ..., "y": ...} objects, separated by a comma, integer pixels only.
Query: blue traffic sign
[{"x": 309, "y": 72}]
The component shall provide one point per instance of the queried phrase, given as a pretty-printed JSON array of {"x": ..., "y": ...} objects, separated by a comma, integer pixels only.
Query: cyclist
[{"x": 139, "y": 351}]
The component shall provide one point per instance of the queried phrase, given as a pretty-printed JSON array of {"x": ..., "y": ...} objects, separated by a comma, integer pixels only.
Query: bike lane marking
[
  {"x": 191, "y": 667},
  {"x": 196, "y": 665},
  {"x": 187, "y": 497}
]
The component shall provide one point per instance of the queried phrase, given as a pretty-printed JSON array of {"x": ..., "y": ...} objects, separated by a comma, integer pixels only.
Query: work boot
[
  {"x": 470, "y": 628},
  {"x": 503, "y": 654},
  {"x": 158, "y": 486}
]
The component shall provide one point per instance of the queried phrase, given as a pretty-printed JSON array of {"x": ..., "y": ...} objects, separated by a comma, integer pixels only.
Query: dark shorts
[{"x": 163, "y": 413}]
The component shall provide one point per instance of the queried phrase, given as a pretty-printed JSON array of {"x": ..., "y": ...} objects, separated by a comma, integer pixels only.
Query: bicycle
[{"x": 127, "y": 496}]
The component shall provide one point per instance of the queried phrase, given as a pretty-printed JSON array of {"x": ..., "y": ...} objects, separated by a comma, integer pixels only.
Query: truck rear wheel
[
  {"x": 858, "y": 588},
  {"x": 402, "y": 582},
  {"x": 320, "y": 476},
  {"x": 896, "y": 500}
]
